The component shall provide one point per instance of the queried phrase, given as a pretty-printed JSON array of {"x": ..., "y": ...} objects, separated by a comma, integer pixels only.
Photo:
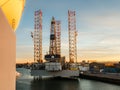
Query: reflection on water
[
  {"x": 27, "y": 82},
  {"x": 54, "y": 84}
]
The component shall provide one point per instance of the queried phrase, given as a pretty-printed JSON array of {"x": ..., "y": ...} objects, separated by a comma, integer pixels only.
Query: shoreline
[{"x": 107, "y": 78}]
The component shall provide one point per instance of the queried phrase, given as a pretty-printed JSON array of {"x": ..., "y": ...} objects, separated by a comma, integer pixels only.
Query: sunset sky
[{"x": 98, "y": 26}]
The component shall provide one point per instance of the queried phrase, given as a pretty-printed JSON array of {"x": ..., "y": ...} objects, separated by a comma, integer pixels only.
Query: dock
[{"x": 103, "y": 77}]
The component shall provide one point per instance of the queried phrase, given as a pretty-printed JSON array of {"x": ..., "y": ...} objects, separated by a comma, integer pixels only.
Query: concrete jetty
[{"x": 103, "y": 77}]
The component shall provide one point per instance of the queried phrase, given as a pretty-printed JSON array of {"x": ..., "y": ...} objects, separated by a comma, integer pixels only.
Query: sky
[{"x": 97, "y": 23}]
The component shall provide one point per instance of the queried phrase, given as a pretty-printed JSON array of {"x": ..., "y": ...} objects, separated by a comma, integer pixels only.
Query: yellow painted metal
[
  {"x": 13, "y": 11},
  {"x": 73, "y": 68}
]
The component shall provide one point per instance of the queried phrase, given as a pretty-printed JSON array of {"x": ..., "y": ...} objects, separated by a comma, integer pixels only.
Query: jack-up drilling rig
[{"x": 55, "y": 64}]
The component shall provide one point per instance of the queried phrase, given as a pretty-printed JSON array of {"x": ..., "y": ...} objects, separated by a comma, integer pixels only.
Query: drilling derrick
[
  {"x": 54, "y": 49},
  {"x": 58, "y": 37},
  {"x": 37, "y": 36},
  {"x": 72, "y": 36}
]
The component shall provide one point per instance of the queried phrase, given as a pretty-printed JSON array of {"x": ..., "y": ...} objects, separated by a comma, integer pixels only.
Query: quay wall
[{"x": 113, "y": 79}]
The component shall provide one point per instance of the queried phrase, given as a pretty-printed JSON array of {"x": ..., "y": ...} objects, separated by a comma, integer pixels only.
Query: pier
[{"x": 107, "y": 78}]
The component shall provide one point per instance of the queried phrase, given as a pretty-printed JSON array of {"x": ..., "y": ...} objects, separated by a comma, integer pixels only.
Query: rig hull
[{"x": 62, "y": 73}]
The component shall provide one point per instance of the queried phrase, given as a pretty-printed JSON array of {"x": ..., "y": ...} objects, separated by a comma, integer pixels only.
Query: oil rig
[{"x": 55, "y": 64}]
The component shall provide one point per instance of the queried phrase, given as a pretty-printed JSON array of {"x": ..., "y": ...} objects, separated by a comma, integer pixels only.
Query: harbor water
[{"x": 28, "y": 82}]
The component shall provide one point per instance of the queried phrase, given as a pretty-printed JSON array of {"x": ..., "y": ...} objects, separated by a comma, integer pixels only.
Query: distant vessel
[{"x": 55, "y": 65}]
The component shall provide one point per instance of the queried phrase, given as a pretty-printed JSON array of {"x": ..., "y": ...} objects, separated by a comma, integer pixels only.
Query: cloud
[{"x": 106, "y": 20}]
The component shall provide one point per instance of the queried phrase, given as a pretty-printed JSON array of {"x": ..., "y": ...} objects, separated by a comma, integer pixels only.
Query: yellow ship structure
[{"x": 13, "y": 11}]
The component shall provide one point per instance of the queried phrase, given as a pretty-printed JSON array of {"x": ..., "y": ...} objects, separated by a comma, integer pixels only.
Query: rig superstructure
[
  {"x": 54, "y": 57},
  {"x": 54, "y": 49}
]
